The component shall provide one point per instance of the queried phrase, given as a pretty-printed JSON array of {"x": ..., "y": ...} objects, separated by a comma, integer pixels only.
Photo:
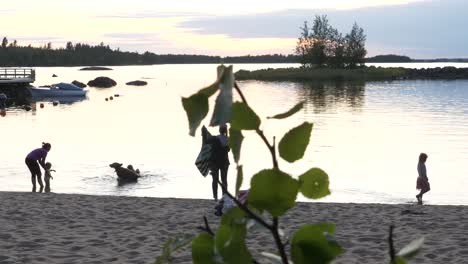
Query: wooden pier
[
  {"x": 17, "y": 76},
  {"x": 13, "y": 83}
]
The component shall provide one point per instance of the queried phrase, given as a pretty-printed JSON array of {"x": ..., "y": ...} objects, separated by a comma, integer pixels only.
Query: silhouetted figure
[
  {"x": 422, "y": 182},
  {"x": 219, "y": 157},
  {"x": 3, "y": 99},
  {"x": 33, "y": 160},
  {"x": 47, "y": 176}
]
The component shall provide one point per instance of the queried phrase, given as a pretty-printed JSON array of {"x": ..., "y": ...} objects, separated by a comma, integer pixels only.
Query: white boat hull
[{"x": 54, "y": 92}]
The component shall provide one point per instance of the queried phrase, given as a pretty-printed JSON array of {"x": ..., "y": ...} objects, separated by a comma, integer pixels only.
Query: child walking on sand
[
  {"x": 423, "y": 182},
  {"x": 47, "y": 176}
]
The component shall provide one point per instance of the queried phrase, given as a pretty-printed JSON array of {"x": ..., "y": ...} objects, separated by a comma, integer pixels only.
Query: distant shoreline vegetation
[
  {"x": 79, "y": 54},
  {"x": 371, "y": 73}
]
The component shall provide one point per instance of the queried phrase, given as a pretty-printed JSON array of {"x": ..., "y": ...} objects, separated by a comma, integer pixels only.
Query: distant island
[
  {"x": 79, "y": 54},
  {"x": 366, "y": 73}
]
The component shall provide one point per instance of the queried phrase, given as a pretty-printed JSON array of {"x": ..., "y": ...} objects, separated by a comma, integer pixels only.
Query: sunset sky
[{"x": 417, "y": 28}]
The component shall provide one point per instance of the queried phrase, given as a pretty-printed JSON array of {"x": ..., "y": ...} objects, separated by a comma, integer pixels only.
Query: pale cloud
[{"x": 419, "y": 28}]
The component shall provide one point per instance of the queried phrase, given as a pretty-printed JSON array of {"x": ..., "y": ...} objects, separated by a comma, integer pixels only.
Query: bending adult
[{"x": 33, "y": 160}]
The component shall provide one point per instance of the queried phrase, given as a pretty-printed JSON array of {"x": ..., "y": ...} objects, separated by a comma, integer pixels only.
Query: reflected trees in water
[{"x": 324, "y": 96}]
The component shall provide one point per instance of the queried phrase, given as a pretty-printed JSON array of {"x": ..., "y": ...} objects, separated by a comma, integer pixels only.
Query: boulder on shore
[
  {"x": 137, "y": 83},
  {"x": 79, "y": 84},
  {"x": 102, "y": 82},
  {"x": 95, "y": 68}
]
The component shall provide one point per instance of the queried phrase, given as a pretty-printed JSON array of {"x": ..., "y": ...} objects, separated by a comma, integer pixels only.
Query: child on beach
[
  {"x": 3, "y": 99},
  {"x": 423, "y": 182},
  {"x": 47, "y": 176}
]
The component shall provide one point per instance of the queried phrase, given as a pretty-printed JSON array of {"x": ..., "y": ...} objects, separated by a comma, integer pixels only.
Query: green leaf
[
  {"x": 399, "y": 260},
  {"x": 172, "y": 245},
  {"x": 289, "y": 113},
  {"x": 223, "y": 105},
  {"x": 213, "y": 88},
  {"x": 410, "y": 250},
  {"x": 196, "y": 107},
  {"x": 235, "y": 142},
  {"x": 166, "y": 253},
  {"x": 203, "y": 249},
  {"x": 274, "y": 191},
  {"x": 234, "y": 216},
  {"x": 313, "y": 244},
  {"x": 293, "y": 145},
  {"x": 239, "y": 179},
  {"x": 314, "y": 184},
  {"x": 230, "y": 238},
  {"x": 243, "y": 117}
]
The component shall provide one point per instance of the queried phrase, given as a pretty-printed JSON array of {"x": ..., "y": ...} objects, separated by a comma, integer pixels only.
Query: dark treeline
[{"x": 79, "y": 54}]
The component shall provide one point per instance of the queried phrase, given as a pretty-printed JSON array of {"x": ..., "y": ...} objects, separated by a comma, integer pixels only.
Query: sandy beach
[{"x": 69, "y": 228}]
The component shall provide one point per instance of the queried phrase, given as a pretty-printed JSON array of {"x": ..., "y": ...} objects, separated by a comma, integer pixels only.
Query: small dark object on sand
[
  {"x": 55, "y": 103},
  {"x": 116, "y": 95},
  {"x": 125, "y": 174},
  {"x": 54, "y": 75},
  {"x": 111, "y": 98},
  {"x": 27, "y": 107},
  {"x": 107, "y": 99},
  {"x": 41, "y": 105}
]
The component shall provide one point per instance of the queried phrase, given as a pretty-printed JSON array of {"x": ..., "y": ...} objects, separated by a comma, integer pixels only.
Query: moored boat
[{"x": 57, "y": 90}]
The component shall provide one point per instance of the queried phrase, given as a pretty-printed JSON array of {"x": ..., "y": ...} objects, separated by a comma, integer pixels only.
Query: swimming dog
[{"x": 125, "y": 174}]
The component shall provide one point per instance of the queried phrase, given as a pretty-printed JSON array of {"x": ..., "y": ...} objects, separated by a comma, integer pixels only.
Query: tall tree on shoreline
[
  {"x": 323, "y": 45},
  {"x": 322, "y": 39},
  {"x": 304, "y": 45},
  {"x": 4, "y": 42},
  {"x": 355, "y": 46}
]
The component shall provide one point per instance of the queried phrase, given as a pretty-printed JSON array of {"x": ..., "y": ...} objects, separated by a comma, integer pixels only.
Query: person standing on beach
[
  {"x": 219, "y": 158},
  {"x": 33, "y": 160},
  {"x": 423, "y": 182},
  {"x": 3, "y": 99}
]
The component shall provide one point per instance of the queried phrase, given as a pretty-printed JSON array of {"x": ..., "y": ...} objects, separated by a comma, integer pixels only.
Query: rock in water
[
  {"x": 95, "y": 68},
  {"x": 102, "y": 82},
  {"x": 79, "y": 84},
  {"x": 137, "y": 83}
]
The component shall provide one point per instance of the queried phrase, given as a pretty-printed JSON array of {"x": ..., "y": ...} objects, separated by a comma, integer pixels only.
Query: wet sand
[{"x": 70, "y": 228}]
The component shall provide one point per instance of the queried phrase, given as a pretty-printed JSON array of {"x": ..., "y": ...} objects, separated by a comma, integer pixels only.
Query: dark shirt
[
  {"x": 220, "y": 148},
  {"x": 38, "y": 154}
]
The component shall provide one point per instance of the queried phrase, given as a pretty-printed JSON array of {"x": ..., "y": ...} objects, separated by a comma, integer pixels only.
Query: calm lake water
[{"x": 366, "y": 136}]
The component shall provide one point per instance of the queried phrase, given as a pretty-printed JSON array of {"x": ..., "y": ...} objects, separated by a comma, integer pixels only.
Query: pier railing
[{"x": 17, "y": 75}]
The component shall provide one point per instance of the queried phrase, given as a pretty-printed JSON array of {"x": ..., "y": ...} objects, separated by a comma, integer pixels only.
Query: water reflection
[{"x": 323, "y": 96}]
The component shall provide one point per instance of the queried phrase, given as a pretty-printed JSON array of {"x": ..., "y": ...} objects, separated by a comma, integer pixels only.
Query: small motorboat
[{"x": 57, "y": 90}]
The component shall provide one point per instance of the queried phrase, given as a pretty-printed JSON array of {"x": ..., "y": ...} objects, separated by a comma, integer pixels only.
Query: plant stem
[
  {"x": 278, "y": 242},
  {"x": 390, "y": 244},
  {"x": 245, "y": 208},
  {"x": 274, "y": 227},
  {"x": 271, "y": 147}
]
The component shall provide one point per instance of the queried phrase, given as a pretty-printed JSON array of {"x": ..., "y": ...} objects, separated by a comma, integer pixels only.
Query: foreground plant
[{"x": 272, "y": 191}]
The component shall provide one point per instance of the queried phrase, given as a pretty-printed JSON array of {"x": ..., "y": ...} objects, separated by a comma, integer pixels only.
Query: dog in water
[{"x": 125, "y": 174}]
